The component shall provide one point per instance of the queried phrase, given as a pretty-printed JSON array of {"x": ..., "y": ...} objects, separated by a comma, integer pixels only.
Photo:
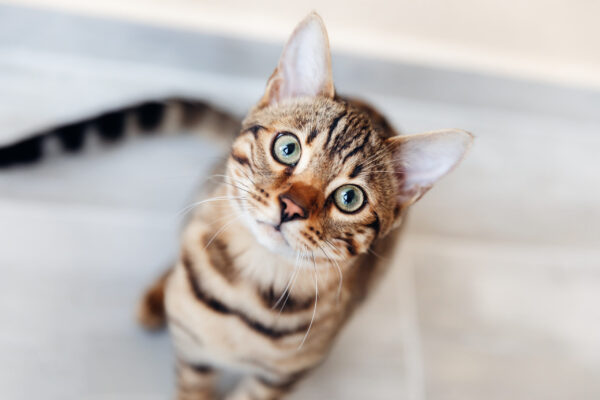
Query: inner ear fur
[
  {"x": 421, "y": 160},
  {"x": 304, "y": 67}
]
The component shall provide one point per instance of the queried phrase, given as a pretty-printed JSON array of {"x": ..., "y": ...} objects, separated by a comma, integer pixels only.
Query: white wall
[{"x": 549, "y": 40}]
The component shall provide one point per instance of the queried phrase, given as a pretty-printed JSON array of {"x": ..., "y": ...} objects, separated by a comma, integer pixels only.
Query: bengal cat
[{"x": 276, "y": 259}]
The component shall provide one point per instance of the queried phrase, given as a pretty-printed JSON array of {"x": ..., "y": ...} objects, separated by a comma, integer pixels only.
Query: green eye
[
  {"x": 286, "y": 149},
  {"x": 349, "y": 198}
]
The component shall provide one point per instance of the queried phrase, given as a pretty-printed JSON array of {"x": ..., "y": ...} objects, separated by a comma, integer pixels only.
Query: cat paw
[{"x": 151, "y": 309}]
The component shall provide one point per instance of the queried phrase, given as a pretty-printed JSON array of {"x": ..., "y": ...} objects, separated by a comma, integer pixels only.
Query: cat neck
[{"x": 268, "y": 269}]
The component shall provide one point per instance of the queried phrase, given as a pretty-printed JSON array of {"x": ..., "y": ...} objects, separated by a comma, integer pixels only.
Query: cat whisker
[
  {"x": 238, "y": 184},
  {"x": 288, "y": 284},
  {"x": 238, "y": 187},
  {"x": 340, "y": 274},
  {"x": 296, "y": 273},
  {"x": 230, "y": 177},
  {"x": 188, "y": 208},
  {"x": 221, "y": 230},
  {"x": 289, "y": 292},
  {"x": 376, "y": 254},
  {"x": 234, "y": 213},
  {"x": 312, "y": 320},
  {"x": 374, "y": 158},
  {"x": 248, "y": 176}
]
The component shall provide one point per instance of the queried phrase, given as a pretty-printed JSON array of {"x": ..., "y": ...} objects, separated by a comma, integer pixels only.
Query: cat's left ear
[
  {"x": 304, "y": 68},
  {"x": 420, "y": 160}
]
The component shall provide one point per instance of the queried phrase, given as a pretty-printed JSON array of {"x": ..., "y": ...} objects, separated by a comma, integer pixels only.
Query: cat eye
[
  {"x": 349, "y": 198},
  {"x": 286, "y": 149}
]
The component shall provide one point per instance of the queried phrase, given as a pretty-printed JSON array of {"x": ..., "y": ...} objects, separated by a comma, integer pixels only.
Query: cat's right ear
[{"x": 304, "y": 69}]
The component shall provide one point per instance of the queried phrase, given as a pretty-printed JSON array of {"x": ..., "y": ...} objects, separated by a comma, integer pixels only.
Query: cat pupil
[
  {"x": 289, "y": 149},
  {"x": 348, "y": 196}
]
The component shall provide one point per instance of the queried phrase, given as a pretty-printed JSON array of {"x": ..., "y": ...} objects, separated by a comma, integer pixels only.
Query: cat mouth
[{"x": 273, "y": 232}]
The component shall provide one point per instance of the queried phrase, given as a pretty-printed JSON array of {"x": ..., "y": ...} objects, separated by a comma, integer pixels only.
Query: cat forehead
[
  {"x": 315, "y": 115},
  {"x": 338, "y": 140},
  {"x": 299, "y": 112}
]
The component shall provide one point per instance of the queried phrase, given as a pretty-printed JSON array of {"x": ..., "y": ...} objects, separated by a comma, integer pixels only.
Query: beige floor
[{"x": 494, "y": 294}]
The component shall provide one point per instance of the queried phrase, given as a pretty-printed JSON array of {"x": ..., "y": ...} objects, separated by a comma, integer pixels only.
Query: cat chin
[
  {"x": 275, "y": 246},
  {"x": 268, "y": 237}
]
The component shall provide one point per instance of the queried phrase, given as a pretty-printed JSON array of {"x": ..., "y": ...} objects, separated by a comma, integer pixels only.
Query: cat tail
[{"x": 169, "y": 116}]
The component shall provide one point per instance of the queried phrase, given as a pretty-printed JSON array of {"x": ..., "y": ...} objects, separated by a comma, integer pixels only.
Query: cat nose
[{"x": 290, "y": 209}]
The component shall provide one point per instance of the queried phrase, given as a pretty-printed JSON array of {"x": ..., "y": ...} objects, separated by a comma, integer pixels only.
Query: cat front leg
[
  {"x": 195, "y": 382},
  {"x": 151, "y": 307},
  {"x": 261, "y": 388}
]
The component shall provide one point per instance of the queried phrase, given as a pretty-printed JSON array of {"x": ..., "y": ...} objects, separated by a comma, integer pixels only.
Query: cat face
[{"x": 312, "y": 173}]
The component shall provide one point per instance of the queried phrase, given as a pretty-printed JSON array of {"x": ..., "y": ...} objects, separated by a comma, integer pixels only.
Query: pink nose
[{"x": 290, "y": 210}]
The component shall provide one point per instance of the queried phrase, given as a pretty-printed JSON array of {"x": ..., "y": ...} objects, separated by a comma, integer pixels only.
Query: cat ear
[
  {"x": 420, "y": 160},
  {"x": 304, "y": 68}
]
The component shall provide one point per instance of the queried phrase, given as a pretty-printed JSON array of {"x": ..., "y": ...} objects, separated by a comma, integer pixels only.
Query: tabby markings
[
  {"x": 185, "y": 329},
  {"x": 217, "y": 306},
  {"x": 283, "y": 385},
  {"x": 375, "y": 225},
  {"x": 284, "y": 302},
  {"x": 219, "y": 257},
  {"x": 242, "y": 160},
  {"x": 336, "y": 147},
  {"x": 350, "y": 245},
  {"x": 149, "y": 115},
  {"x": 358, "y": 148},
  {"x": 111, "y": 126},
  {"x": 313, "y": 134},
  {"x": 71, "y": 136},
  {"x": 254, "y": 130},
  {"x": 202, "y": 368},
  {"x": 333, "y": 126},
  {"x": 356, "y": 171}
]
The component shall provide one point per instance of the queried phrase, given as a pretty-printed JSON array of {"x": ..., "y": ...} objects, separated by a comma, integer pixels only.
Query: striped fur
[
  {"x": 262, "y": 289},
  {"x": 234, "y": 302},
  {"x": 271, "y": 266},
  {"x": 166, "y": 116}
]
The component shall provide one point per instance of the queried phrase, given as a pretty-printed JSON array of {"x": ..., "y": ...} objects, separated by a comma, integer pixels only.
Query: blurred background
[{"x": 495, "y": 292}]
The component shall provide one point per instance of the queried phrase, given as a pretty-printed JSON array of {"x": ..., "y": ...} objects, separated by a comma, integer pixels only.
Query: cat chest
[{"x": 222, "y": 325}]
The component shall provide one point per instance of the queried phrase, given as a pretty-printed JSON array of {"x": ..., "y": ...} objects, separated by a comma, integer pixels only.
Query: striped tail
[{"x": 171, "y": 115}]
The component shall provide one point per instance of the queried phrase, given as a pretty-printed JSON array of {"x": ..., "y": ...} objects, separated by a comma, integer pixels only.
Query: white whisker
[
  {"x": 316, "y": 301},
  {"x": 248, "y": 176},
  {"x": 340, "y": 274},
  {"x": 221, "y": 230},
  {"x": 187, "y": 209},
  {"x": 288, "y": 284},
  {"x": 296, "y": 273},
  {"x": 237, "y": 183},
  {"x": 243, "y": 207},
  {"x": 229, "y": 177},
  {"x": 375, "y": 254}
]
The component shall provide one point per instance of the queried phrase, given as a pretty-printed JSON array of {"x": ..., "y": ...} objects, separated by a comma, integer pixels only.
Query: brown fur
[
  {"x": 256, "y": 302},
  {"x": 151, "y": 310},
  {"x": 220, "y": 257},
  {"x": 265, "y": 295}
]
